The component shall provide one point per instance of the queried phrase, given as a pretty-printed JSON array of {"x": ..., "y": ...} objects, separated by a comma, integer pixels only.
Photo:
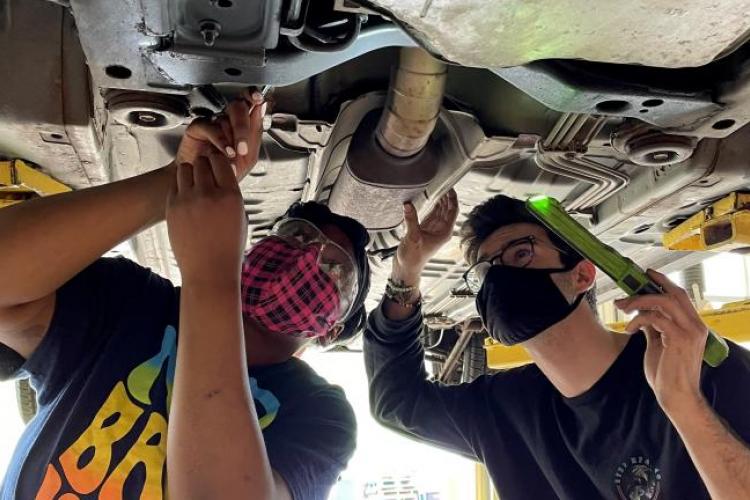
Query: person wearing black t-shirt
[
  {"x": 598, "y": 414},
  {"x": 148, "y": 390}
]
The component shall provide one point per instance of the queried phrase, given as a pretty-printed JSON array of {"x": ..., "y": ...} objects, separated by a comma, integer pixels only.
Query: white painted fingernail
[
  {"x": 263, "y": 109},
  {"x": 242, "y": 148},
  {"x": 230, "y": 152}
]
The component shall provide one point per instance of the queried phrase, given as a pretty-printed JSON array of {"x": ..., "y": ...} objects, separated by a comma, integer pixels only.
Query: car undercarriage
[{"x": 633, "y": 115}]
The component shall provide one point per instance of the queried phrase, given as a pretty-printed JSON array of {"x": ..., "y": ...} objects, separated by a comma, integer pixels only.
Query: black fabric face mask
[{"x": 517, "y": 304}]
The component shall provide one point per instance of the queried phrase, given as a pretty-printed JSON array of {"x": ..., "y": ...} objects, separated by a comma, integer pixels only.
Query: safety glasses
[
  {"x": 517, "y": 253},
  {"x": 336, "y": 262}
]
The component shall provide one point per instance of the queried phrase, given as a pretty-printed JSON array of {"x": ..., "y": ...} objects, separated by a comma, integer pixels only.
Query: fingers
[
  {"x": 661, "y": 302},
  {"x": 246, "y": 121},
  {"x": 654, "y": 320},
  {"x": 443, "y": 205},
  {"x": 226, "y": 129},
  {"x": 203, "y": 130},
  {"x": 253, "y": 97},
  {"x": 674, "y": 302},
  {"x": 238, "y": 112},
  {"x": 671, "y": 288},
  {"x": 665, "y": 303},
  {"x": 255, "y": 131},
  {"x": 411, "y": 219},
  {"x": 184, "y": 177},
  {"x": 451, "y": 206},
  {"x": 444, "y": 213},
  {"x": 654, "y": 344},
  {"x": 653, "y": 336},
  {"x": 223, "y": 173}
]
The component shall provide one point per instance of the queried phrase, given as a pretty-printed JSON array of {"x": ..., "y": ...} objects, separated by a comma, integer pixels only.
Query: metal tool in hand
[{"x": 265, "y": 91}]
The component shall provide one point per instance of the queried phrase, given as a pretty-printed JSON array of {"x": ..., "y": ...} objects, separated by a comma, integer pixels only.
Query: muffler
[{"x": 391, "y": 158}]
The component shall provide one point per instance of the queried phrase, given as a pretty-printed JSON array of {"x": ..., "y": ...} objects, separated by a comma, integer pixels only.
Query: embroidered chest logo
[{"x": 638, "y": 479}]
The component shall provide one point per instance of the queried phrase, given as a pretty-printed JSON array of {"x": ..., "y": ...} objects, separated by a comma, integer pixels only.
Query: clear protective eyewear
[
  {"x": 517, "y": 253},
  {"x": 336, "y": 262}
]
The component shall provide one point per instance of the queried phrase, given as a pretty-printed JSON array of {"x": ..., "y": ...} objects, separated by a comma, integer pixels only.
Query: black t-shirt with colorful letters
[{"x": 103, "y": 376}]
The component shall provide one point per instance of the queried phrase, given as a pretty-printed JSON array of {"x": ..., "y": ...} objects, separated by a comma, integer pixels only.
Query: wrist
[
  {"x": 682, "y": 408},
  {"x": 214, "y": 283},
  {"x": 407, "y": 296},
  {"x": 166, "y": 178},
  {"x": 408, "y": 276}
]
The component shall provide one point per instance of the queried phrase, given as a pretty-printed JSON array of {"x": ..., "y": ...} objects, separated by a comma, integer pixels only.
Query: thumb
[
  {"x": 202, "y": 130},
  {"x": 410, "y": 219},
  {"x": 654, "y": 342}
]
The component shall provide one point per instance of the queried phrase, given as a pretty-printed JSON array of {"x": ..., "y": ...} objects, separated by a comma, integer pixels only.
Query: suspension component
[{"x": 650, "y": 147}]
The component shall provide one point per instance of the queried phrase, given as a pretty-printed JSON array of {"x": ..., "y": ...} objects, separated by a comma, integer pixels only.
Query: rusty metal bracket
[{"x": 19, "y": 182}]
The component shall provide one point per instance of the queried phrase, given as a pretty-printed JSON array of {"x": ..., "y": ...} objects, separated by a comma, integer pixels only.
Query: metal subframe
[{"x": 134, "y": 34}]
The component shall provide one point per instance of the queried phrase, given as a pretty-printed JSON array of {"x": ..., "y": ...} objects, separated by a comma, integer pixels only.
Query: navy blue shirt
[
  {"x": 613, "y": 441},
  {"x": 104, "y": 374}
]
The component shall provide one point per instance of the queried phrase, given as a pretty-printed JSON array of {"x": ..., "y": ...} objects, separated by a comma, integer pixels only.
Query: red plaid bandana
[{"x": 284, "y": 289}]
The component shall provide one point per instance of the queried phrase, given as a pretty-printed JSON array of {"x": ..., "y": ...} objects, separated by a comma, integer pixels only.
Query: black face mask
[{"x": 517, "y": 304}]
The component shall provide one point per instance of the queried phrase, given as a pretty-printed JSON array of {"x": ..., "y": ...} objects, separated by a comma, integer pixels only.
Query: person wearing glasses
[
  {"x": 148, "y": 390},
  {"x": 597, "y": 414}
]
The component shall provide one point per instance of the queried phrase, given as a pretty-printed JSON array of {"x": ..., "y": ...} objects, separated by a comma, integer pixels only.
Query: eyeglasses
[
  {"x": 336, "y": 262},
  {"x": 517, "y": 253}
]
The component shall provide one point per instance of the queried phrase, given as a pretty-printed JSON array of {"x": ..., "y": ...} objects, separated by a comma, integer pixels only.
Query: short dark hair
[
  {"x": 500, "y": 211},
  {"x": 320, "y": 215}
]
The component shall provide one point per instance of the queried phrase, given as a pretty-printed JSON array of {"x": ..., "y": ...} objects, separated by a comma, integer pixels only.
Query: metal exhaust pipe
[{"x": 413, "y": 106}]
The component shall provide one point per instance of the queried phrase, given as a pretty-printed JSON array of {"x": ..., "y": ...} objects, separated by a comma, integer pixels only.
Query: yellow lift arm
[
  {"x": 19, "y": 182},
  {"x": 724, "y": 225},
  {"x": 731, "y": 321}
]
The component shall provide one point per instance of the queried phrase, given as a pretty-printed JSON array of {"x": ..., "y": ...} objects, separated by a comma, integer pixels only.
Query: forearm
[
  {"x": 215, "y": 443},
  {"x": 394, "y": 362},
  {"x": 401, "y": 396},
  {"x": 394, "y": 356},
  {"x": 721, "y": 458},
  {"x": 47, "y": 241}
]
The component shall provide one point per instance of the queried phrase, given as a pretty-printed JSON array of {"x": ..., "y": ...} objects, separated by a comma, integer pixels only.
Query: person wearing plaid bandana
[
  {"x": 238, "y": 414},
  {"x": 309, "y": 278}
]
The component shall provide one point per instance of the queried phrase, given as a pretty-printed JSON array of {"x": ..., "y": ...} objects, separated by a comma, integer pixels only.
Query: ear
[{"x": 584, "y": 276}]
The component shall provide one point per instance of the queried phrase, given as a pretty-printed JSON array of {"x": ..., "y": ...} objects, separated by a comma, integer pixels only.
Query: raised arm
[
  {"x": 215, "y": 443},
  {"x": 401, "y": 397},
  {"x": 673, "y": 362},
  {"x": 47, "y": 241}
]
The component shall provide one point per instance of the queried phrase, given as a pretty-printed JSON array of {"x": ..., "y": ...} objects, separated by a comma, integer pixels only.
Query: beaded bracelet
[{"x": 401, "y": 293}]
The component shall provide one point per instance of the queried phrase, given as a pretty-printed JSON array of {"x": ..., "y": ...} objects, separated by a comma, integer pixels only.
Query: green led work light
[{"x": 623, "y": 271}]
